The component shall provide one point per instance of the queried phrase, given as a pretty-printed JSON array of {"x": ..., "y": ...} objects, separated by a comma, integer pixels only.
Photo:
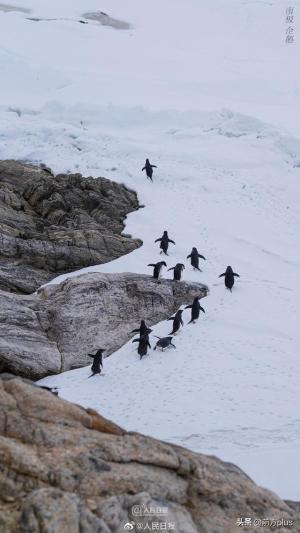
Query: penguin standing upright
[
  {"x": 177, "y": 321},
  {"x": 229, "y": 277},
  {"x": 142, "y": 329},
  {"x": 177, "y": 271},
  {"x": 144, "y": 344},
  {"x": 196, "y": 308},
  {"x": 157, "y": 268},
  {"x": 97, "y": 363},
  {"x": 149, "y": 169},
  {"x": 164, "y": 242},
  {"x": 194, "y": 255}
]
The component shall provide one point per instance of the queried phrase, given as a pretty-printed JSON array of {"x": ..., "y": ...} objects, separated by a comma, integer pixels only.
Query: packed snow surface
[{"x": 209, "y": 91}]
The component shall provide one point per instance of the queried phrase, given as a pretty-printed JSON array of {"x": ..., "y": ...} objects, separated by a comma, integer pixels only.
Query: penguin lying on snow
[
  {"x": 164, "y": 242},
  {"x": 97, "y": 363},
  {"x": 53, "y": 390},
  {"x": 177, "y": 271},
  {"x": 177, "y": 321},
  {"x": 144, "y": 343},
  {"x": 149, "y": 169},
  {"x": 157, "y": 268},
  {"x": 229, "y": 277},
  {"x": 194, "y": 255},
  {"x": 196, "y": 308},
  {"x": 164, "y": 342}
]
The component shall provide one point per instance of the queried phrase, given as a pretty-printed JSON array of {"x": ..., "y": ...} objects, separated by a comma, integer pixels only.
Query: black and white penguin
[
  {"x": 195, "y": 256},
  {"x": 149, "y": 169},
  {"x": 164, "y": 242},
  {"x": 229, "y": 277}
]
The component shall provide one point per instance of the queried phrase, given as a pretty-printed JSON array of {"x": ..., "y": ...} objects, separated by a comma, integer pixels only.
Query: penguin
[
  {"x": 177, "y": 271},
  {"x": 177, "y": 321},
  {"x": 157, "y": 268},
  {"x": 149, "y": 169},
  {"x": 164, "y": 342},
  {"x": 53, "y": 390},
  {"x": 194, "y": 255},
  {"x": 164, "y": 242},
  {"x": 97, "y": 363},
  {"x": 142, "y": 329},
  {"x": 144, "y": 343},
  {"x": 229, "y": 277},
  {"x": 196, "y": 308}
]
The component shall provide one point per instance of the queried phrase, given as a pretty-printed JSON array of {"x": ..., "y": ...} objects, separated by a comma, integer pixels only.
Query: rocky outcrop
[
  {"x": 65, "y": 469},
  {"x": 52, "y": 225},
  {"x": 53, "y": 330}
]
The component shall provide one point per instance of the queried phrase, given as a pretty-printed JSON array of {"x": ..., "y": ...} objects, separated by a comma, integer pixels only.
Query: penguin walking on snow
[
  {"x": 164, "y": 342},
  {"x": 142, "y": 329},
  {"x": 177, "y": 321},
  {"x": 177, "y": 271},
  {"x": 164, "y": 242},
  {"x": 149, "y": 169},
  {"x": 144, "y": 344},
  {"x": 195, "y": 256},
  {"x": 97, "y": 363},
  {"x": 229, "y": 277},
  {"x": 196, "y": 308},
  {"x": 157, "y": 268}
]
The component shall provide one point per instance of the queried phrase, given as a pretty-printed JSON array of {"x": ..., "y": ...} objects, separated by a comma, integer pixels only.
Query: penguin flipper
[
  {"x": 235, "y": 274},
  {"x": 221, "y": 275}
]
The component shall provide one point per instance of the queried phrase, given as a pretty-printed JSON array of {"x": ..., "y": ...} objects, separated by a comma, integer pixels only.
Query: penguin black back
[{"x": 229, "y": 277}]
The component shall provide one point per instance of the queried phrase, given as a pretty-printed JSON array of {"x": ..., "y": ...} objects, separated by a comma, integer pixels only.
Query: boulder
[
  {"x": 50, "y": 225},
  {"x": 53, "y": 330},
  {"x": 65, "y": 469}
]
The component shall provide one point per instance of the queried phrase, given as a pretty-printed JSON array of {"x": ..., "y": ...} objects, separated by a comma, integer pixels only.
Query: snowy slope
[{"x": 210, "y": 93}]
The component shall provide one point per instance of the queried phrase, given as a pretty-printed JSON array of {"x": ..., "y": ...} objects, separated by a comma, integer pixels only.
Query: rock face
[
  {"x": 53, "y": 330},
  {"x": 51, "y": 225},
  {"x": 65, "y": 469}
]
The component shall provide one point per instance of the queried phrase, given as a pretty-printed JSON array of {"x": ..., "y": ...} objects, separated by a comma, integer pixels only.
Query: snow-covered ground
[{"x": 209, "y": 91}]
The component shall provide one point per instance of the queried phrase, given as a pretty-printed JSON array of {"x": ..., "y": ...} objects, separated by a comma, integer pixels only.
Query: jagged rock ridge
[{"x": 52, "y": 225}]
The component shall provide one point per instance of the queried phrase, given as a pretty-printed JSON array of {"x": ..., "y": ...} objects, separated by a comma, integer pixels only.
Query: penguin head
[
  {"x": 194, "y": 249},
  {"x": 229, "y": 269},
  {"x": 163, "y": 263},
  {"x": 147, "y": 160},
  {"x": 165, "y": 232}
]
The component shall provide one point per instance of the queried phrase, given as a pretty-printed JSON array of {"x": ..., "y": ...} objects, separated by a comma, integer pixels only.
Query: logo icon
[{"x": 129, "y": 526}]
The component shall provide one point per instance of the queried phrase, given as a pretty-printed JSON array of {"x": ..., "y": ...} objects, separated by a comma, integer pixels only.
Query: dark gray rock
[{"x": 52, "y": 225}]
